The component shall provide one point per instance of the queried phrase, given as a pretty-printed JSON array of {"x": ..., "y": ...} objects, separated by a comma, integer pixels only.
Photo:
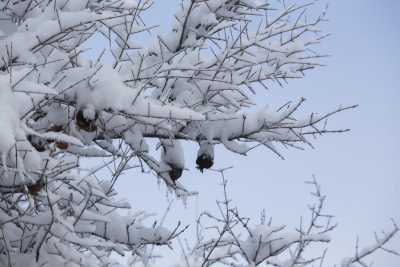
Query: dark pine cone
[
  {"x": 34, "y": 189},
  {"x": 85, "y": 124},
  {"x": 204, "y": 161},
  {"x": 175, "y": 173},
  {"x": 38, "y": 143}
]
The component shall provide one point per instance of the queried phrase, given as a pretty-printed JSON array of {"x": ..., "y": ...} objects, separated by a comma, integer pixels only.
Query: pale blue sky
[{"x": 359, "y": 171}]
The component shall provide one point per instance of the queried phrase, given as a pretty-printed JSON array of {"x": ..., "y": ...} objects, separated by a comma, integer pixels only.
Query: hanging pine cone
[
  {"x": 172, "y": 155},
  {"x": 85, "y": 123},
  {"x": 204, "y": 161},
  {"x": 35, "y": 188},
  {"x": 175, "y": 173},
  {"x": 38, "y": 143},
  {"x": 205, "y": 156}
]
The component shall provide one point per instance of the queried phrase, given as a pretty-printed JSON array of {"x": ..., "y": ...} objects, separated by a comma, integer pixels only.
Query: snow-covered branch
[
  {"x": 193, "y": 83},
  {"x": 228, "y": 238},
  {"x": 361, "y": 254},
  {"x": 197, "y": 82}
]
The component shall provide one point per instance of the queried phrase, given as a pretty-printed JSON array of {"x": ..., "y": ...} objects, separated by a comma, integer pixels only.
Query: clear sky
[{"x": 359, "y": 170}]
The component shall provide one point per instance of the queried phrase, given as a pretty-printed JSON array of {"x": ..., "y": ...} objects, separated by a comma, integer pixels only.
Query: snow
[
  {"x": 193, "y": 83},
  {"x": 9, "y": 119},
  {"x": 265, "y": 241},
  {"x": 206, "y": 148}
]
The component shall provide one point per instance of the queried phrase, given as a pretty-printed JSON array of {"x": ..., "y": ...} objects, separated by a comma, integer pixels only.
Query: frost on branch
[
  {"x": 205, "y": 155},
  {"x": 228, "y": 238},
  {"x": 195, "y": 83},
  {"x": 231, "y": 239}
]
